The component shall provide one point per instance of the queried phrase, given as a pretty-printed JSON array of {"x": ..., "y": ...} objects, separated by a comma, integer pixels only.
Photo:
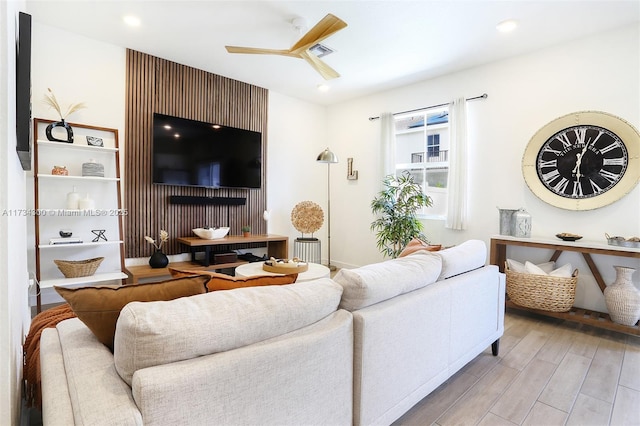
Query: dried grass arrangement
[{"x": 50, "y": 99}]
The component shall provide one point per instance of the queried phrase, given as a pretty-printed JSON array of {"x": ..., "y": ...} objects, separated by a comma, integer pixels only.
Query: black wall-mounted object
[
  {"x": 207, "y": 201},
  {"x": 23, "y": 90}
]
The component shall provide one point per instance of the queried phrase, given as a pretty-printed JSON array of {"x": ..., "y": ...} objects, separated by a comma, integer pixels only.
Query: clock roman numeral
[
  {"x": 594, "y": 187},
  {"x": 549, "y": 163},
  {"x": 581, "y": 133},
  {"x": 613, "y": 161},
  {"x": 548, "y": 177},
  {"x": 611, "y": 177},
  {"x": 561, "y": 186},
  {"x": 564, "y": 139},
  {"x": 548, "y": 149},
  {"x": 610, "y": 147},
  {"x": 577, "y": 189}
]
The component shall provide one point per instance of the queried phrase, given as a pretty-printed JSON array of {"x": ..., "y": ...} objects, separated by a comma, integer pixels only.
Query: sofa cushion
[
  {"x": 470, "y": 255},
  {"x": 156, "y": 333},
  {"x": 219, "y": 281},
  {"x": 417, "y": 245},
  {"x": 374, "y": 283},
  {"x": 99, "y": 307}
]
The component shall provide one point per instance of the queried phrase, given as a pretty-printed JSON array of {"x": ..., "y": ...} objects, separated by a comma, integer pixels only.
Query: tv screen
[
  {"x": 23, "y": 90},
  {"x": 193, "y": 153}
]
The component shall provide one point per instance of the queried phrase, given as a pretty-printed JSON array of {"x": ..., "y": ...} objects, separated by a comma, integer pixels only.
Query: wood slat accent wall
[{"x": 158, "y": 85}]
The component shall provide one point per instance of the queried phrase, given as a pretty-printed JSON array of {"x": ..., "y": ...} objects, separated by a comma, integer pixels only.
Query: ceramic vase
[
  {"x": 623, "y": 298},
  {"x": 158, "y": 260},
  {"x": 65, "y": 126}
]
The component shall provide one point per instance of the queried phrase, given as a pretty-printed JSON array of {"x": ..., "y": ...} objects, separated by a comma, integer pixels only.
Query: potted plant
[
  {"x": 246, "y": 231},
  {"x": 396, "y": 206}
]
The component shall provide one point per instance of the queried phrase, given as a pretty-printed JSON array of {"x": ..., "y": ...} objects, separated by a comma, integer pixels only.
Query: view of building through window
[{"x": 422, "y": 148}]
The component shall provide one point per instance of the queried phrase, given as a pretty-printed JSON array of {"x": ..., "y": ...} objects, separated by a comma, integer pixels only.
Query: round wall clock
[{"x": 583, "y": 161}]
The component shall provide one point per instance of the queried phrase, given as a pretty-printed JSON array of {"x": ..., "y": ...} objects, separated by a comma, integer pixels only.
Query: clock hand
[
  {"x": 576, "y": 169},
  {"x": 579, "y": 156}
]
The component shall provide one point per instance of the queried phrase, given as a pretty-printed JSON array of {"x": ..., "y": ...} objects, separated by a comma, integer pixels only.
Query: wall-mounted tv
[{"x": 193, "y": 153}]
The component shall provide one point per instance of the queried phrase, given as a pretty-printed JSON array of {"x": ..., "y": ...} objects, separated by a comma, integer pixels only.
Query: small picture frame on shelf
[{"x": 94, "y": 141}]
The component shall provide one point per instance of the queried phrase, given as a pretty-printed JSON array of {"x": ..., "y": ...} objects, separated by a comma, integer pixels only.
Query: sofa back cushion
[
  {"x": 374, "y": 283},
  {"x": 456, "y": 260},
  {"x": 155, "y": 333}
]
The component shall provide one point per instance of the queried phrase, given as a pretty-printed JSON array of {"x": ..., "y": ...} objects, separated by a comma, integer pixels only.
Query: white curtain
[
  {"x": 388, "y": 144},
  {"x": 457, "y": 183}
]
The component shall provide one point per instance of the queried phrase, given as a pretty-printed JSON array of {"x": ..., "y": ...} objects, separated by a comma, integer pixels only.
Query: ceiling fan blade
[
  {"x": 330, "y": 24},
  {"x": 258, "y": 51},
  {"x": 325, "y": 70}
]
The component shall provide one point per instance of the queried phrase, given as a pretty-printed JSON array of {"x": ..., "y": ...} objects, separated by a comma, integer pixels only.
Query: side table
[
  {"x": 307, "y": 249},
  {"x": 314, "y": 272}
]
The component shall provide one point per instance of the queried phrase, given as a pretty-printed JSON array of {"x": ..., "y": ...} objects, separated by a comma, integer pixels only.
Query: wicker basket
[
  {"x": 78, "y": 268},
  {"x": 543, "y": 292}
]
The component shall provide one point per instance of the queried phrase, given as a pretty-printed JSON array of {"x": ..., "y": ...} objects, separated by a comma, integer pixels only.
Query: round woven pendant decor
[{"x": 307, "y": 217}]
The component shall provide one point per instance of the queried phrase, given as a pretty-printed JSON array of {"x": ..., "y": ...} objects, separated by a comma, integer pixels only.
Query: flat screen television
[
  {"x": 23, "y": 90},
  {"x": 193, "y": 153}
]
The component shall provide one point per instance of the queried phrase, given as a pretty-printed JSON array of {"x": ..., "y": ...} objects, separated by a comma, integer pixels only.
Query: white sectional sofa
[{"x": 360, "y": 349}]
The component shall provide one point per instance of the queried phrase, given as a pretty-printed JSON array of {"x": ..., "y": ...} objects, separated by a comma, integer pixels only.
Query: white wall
[
  {"x": 597, "y": 73},
  {"x": 14, "y": 311},
  {"x": 297, "y": 134}
]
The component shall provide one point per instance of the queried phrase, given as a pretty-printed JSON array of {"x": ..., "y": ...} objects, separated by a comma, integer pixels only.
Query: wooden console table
[
  {"x": 277, "y": 246},
  {"x": 498, "y": 256}
]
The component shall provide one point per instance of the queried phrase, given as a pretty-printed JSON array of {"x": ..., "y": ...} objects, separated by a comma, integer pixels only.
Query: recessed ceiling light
[
  {"x": 131, "y": 20},
  {"x": 323, "y": 87},
  {"x": 507, "y": 26},
  {"x": 166, "y": 126}
]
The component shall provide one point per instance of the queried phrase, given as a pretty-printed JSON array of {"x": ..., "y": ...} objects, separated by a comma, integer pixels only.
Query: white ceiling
[{"x": 386, "y": 44}]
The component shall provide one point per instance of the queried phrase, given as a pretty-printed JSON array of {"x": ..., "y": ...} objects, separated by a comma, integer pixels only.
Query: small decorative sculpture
[{"x": 307, "y": 217}]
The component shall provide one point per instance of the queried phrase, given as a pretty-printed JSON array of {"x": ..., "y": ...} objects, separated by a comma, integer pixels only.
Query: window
[{"x": 422, "y": 148}]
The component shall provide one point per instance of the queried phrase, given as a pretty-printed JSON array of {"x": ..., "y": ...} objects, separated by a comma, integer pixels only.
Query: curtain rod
[{"x": 483, "y": 96}]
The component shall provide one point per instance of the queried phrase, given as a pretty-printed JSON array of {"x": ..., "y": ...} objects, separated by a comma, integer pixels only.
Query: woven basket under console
[{"x": 543, "y": 292}]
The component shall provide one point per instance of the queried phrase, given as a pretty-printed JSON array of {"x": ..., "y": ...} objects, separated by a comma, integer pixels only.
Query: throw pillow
[
  {"x": 227, "y": 282},
  {"x": 563, "y": 272},
  {"x": 516, "y": 266},
  {"x": 99, "y": 307},
  {"x": 417, "y": 245}
]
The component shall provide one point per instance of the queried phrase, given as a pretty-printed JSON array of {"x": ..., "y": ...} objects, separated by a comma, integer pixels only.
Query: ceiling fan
[{"x": 329, "y": 25}]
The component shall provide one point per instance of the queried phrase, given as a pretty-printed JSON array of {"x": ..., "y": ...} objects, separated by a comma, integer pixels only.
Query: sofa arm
[
  {"x": 56, "y": 403},
  {"x": 79, "y": 379}
]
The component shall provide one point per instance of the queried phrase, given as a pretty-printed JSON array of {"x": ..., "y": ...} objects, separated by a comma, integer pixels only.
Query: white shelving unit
[{"x": 100, "y": 228}]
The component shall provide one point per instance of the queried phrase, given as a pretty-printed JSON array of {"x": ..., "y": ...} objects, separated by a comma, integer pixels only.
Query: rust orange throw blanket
[{"x": 31, "y": 349}]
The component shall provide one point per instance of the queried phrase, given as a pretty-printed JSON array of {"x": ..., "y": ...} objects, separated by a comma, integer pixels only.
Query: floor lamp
[{"x": 328, "y": 157}]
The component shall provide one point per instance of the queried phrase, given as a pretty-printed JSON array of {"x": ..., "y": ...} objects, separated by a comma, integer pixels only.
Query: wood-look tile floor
[{"x": 548, "y": 372}]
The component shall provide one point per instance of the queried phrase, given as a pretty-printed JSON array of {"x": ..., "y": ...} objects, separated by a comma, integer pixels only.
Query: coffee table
[{"x": 315, "y": 271}]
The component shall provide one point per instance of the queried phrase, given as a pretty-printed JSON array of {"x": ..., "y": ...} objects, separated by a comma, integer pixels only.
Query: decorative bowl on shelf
[
  {"x": 567, "y": 236},
  {"x": 211, "y": 233},
  {"x": 633, "y": 242}
]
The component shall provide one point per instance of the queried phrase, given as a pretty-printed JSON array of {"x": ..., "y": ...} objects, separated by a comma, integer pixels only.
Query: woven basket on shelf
[
  {"x": 78, "y": 268},
  {"x": 543, "y": 292}
]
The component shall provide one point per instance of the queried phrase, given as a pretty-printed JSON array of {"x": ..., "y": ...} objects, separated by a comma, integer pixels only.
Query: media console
[{"x": 277, "y": 246}]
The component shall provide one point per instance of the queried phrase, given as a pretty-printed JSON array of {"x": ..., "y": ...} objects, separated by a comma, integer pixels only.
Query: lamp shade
[{"x": 327, "y": 156}]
